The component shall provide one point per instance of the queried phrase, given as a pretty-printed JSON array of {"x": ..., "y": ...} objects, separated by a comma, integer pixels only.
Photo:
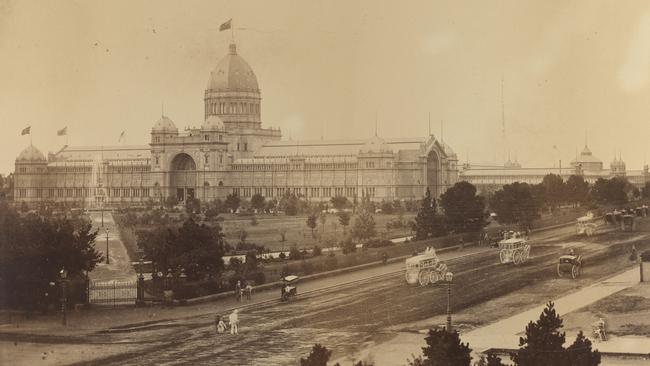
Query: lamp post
[
  {"x": 63, "y": 274},
  {"x": 108, "y": 261},
  {"x": 448, "y": 279}
]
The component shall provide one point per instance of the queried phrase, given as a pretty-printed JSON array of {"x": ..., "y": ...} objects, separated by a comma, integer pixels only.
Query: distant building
[
  {"x": 232, "y": 153},
  {"x": 488, "y": 179}
]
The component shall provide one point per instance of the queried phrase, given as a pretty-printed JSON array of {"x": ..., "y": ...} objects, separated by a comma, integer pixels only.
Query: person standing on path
[
  {"x": 233, "y": 319},
  {"x": 238, "y": 290},
  {"x": 249, "y": 291}
]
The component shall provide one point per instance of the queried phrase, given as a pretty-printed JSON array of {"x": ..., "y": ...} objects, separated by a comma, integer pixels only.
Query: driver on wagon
[{"x": 572, "y": 252}]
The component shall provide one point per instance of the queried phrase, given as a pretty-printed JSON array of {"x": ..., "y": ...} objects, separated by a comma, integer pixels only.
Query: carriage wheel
[
  {"x": 517, "y": 257},
  {"x": 502, "y": 256},
  {"x": 575, "y": 271},
  {"x": 434, "y": 277},
  {"x": 423, "y": 278},
  {"x": 559, "y": 271}
]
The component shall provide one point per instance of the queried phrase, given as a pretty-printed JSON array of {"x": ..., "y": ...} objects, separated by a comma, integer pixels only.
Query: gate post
[{"x": 140, "y": 291}]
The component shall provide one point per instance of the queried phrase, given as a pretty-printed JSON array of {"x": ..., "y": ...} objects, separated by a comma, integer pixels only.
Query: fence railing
[{"x": 112, "y": 293}]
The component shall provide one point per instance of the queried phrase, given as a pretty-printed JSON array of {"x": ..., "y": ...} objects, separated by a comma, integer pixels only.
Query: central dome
[{"x": 233, "y": 74}]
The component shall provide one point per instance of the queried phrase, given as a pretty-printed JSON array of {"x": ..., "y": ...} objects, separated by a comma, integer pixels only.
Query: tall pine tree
[{"x": 423, "y": 226}]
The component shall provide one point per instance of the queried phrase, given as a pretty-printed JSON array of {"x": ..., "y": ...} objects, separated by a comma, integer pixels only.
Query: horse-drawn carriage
[
  {"x": 514, "y": 250},
  {"x": 425, "y": 268},
  {"x": 586, "y": 225},
  {"x": 569, "y": 264},
  {"x": 289, "y": 289}
]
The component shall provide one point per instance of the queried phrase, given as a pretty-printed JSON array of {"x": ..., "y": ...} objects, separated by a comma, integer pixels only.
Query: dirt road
[{"x": 345, "y": 318}]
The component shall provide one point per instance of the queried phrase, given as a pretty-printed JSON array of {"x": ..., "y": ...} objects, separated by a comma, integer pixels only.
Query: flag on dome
[
  {"x": 225, "y": 25},
  {"x": 62, "y": 132},
  {"x": 26, "y": 131},
  {"x": 121, "y": 136}
]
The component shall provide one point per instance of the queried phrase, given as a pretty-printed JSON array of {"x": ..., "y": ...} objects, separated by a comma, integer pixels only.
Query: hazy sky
[{"x": 329, "y": 67}]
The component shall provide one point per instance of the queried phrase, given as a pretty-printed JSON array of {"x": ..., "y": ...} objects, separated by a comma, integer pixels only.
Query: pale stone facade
[
  {"x": 232, "y": 152},
  {"x": 586, "y": 165}
]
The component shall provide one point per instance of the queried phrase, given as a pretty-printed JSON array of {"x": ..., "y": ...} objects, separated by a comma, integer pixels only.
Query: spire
[{"x": 376, "y": 114}]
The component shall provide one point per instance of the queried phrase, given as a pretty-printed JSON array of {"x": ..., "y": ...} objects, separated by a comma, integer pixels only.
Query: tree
[
  {"x": 515, "y": 204},
  {"x": 289, "y": 203},
  {"x": 193, "y": 205},
  {"x": 424, "y": 220},
  {"x": 445, "y": 349},
  {"x": 614, "y": 190},
  {"x": 490, "y": 360},
  {"x": 34, "y": 249},
  {"x": 645, "y": 191},
  {"x": 195, "y": 249},
  {"x": 427, "y": 223},
  {"x": 232, "y": 201},
  {"x": 258, "y": 201},
  {"x": 543, "y": 342},
  {"x": 323, "y": 220},
  {"x": 580, "y": 353},
  {"x": 311, "y": 223},
  {"x": 171, "y": 201},
  {"x": 464, "y": 210},
  {"x": 344, "y": 219},
  {"x": 555, "y": 190},
  {"x": 363, "y": 227},
  {"x": 318, "y": 357},
  {"x": 577, "y": 189},
  {"x": 386, "y": 207},
  {"x": 339, "y": 202}
]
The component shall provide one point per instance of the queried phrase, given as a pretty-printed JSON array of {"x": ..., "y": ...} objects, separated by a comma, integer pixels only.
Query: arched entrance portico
[
  {"x": 433, "y": 173},
  {"x": 182, "y": 177}
]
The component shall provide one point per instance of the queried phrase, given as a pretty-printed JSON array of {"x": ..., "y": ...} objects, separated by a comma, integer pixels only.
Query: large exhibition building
[{"x": 231, "y": 152}]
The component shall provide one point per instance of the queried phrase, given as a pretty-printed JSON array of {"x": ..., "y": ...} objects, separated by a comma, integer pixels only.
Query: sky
[{"x": 570, "y": 71}]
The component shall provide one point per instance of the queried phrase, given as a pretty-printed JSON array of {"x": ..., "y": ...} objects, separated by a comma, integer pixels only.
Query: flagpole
[{"x": 232, "y": 32}]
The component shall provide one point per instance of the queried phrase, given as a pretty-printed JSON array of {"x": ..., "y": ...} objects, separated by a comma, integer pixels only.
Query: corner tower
[{"x": 233, "y": 94}]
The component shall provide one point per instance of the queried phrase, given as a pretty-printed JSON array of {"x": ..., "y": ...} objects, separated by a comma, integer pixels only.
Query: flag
[
  {"x": 225, "y": 25},
  {"x": 121, "y": 136},
  {"x": 62, "y": 132},
  {"x": 26, "y": 131}
]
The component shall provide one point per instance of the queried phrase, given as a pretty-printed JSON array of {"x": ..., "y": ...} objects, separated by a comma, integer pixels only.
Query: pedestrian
[
  {"x": 238, "y": 290},
  {"x": 249, "y": 291},
  {"x": 233, "y": 319},
  {"x": 461, "y": 245},
  {"x": 633, "y": 254},
  {"x": 221, "y": 325}
]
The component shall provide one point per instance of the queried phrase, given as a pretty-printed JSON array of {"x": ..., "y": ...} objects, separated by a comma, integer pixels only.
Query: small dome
[
  {"x": 375, "y": 145},
  {"x": 213, "y": 123},
  {"x": 164, "y": 124},
  {"x": 31, "y": 154},
  {"x": 233, "y": 74}
]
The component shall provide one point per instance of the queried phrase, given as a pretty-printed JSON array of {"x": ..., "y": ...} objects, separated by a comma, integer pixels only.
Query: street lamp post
[
  {"x": 108, "y": 261},
  {"x": 63, "y": 273},
  {"x": 448, "y": 278}
]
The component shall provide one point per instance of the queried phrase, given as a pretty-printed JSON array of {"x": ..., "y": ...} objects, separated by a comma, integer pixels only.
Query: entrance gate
[{"x": 112, "y": 293}]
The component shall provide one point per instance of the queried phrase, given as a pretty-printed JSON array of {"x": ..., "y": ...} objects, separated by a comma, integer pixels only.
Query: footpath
[{"x": 119, "y": 267}]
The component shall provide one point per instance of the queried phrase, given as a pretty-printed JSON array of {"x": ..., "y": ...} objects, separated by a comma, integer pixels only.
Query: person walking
[
  {"x": 233, "y": 319},
  {"x": 249, "y": 291}
]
